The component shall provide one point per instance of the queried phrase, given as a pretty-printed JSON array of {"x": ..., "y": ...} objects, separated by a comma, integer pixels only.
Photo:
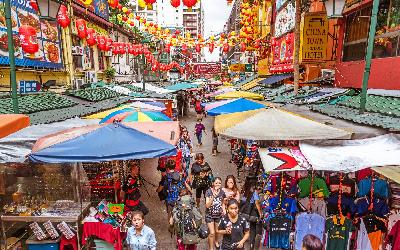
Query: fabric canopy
[
  {"x": 168, "y": 131},
  {"x": 102, "y": 114},
  {"x": 148, "y": 106},
  {"x": 152, "y": 88},
  {"x": 283, "y": 159},
  {"x": 133, "y": 115},
  {"x": 391, "y": 172},
  {"x": 274, "y": 124},
  {"x": 353, "y": 155},
  {"x": 182, "y": 86},
  {"x": 11, "y": 123},
  {"x": 220, "y": 91},
  {"x": 239, "y": 94},
  {"x": 210, "y": 105},
  {"x": 275, "y": 78},
  {"x": 15, "y": 147},
  {"x": 238, "y": 105},
  {"x": 99, "y": 143}
]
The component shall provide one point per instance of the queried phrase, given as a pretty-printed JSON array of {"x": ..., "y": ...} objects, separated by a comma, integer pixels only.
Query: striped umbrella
[{"x": 133, "y": 115}]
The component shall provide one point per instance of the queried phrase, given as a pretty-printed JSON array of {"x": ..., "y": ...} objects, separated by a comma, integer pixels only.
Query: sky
[{"x": 216, "y": 13}]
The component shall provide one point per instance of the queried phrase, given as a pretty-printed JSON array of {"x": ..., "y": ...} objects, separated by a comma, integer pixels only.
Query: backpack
[
  {"x": 172, "y": 187},
  {"x": 187, "y": 220}
]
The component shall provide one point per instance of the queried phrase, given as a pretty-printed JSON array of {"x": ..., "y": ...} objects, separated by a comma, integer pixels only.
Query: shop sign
[
  {"x": 314, "y": 38},
  {"x": 282, "y": 49},
  {"x": 47, "y": 33},
  {"x": 99, "y": 7},
  {"x": 97, "y": 28},
  {"x": 263, "y": 67},
  {"x": 86, "y": 58},
  {"x": 115, "y": 208},
  {"x": 248, "y": 67},
  {"x": 284, "y": 22},
  {"x": 238, "y": 67},
  {"x": 207, "y": 68},
  {"x": 28, "y": 86}
]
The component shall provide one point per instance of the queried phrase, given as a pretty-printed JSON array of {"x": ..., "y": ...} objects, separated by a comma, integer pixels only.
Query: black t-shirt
[
  {"x": 239, "y": 228},
  {"x": 196, "y": 170},
  {"x": 348, "y": 185},
  {"x": 215, "y": 211},
  {"x": 374, "y": 223}
]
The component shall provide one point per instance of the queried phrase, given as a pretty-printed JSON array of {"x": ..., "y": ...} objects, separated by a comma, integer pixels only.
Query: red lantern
[
  {"x": 225, "y": 48},
  {"x": 27, "y": 36},
  {"x": 113, "y": 3},
  {"x": 175, "y": 3},
  {"x": 257, "y": 44},
  {"x": 189, "y": 3},
  {"x": 184, "y": 48},
  {"x": 115, "y": 48},
  {"x": 177, "y": 32},
  {"x": 119, "y": 6},
  {"x": 62, "y": 17},
  {"x": 242, "y": 47},
  {"x": 81, "y": 28},
  {"x": 211, "y": 47},
  {"x": 198, "y": 48},
  {"x": 167, "y": 48},
  {"x": 101, "y": 42},
  {"x": 150, "y": 1},
  {"x": 109, "y": 43},
  {"x": 91, "y": 37},
  {"x": 131, "y": 49},
  {"x": 34, "y": 5}
]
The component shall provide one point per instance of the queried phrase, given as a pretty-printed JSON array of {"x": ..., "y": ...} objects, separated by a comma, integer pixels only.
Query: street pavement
[{"x": 157, "y": 217}]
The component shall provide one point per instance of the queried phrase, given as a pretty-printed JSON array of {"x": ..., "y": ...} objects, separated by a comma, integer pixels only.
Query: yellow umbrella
[
  {"x": 239, "y": 94},
  {"x": 105, "y": 113}
]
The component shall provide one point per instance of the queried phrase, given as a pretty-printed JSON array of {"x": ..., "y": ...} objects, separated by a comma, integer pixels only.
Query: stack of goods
[
  {"x": 102, "y": 180},
  {"x": 51, "y": 231},
  {"x": 346, "y": 211}
]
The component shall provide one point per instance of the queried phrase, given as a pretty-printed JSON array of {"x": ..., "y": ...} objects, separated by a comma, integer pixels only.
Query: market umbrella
[
  {"x": 133, "y": 115},
  {"x": 239, "y": 94},
  {"x": 210, "y": 105},
  {"x": 237, "y": 105},
  {"x": 147, "y": 105},
  {"x": 181, "y": 86},
  {"x": 220, "y": 91},
  {"x": 167, "y": 131},
  {"x": 97, "y": 143},
  {"x": 274, "y": 124},
  {"x": 11, "y": 123}
]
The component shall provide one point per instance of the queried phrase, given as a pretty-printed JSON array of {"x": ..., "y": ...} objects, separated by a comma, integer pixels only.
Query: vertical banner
[{"x": 314, "y": 39}]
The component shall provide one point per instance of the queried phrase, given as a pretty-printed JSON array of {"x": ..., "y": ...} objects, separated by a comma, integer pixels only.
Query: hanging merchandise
[
  {"x": 81, "y": 28},
  {"x": 91, "y": 36},
  {"x": 62, "y": 17},
  {"x": 338, "y": 230},
  {"x": 167, "y": 48},
  {"x": 307, "y": 223},
  {"x": 279, "y": 230},
  {"x": 211, "y": 47},
  {"x": 29, "y": 43},
  {"x": 34, "y": 5},
  {"x": 198, "y": 48},
  {"x": 242, "y": 47},
  {"x": 175, "y": 3},
  {"x": 225, "y": 48},
  {"x": 184, "y": 48}
]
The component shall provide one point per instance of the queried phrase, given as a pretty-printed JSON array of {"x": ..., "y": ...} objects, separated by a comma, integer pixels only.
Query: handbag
[{"x": 248, "y": 212}]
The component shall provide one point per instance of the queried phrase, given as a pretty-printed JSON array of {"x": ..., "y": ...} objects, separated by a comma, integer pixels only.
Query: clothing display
[
  {"x": 381, "y": 188},
  {"x": 308, "y": 224},
  {"x": 279, "y": 231},
  {"x": 393, "y": 238},
  {"x": 380, "y": 207},
  {"x": 288, "y": 204},
  {"x": 338, "y": 230},
  {"x": 376, "y": 227},
  {"x": 363, "y": 242},
  {"x": 318, "y": 206},
  {"x": 348, "y": 185},
  {"x": 319, "y": 188},
  {"x": 347, "y": 205}
]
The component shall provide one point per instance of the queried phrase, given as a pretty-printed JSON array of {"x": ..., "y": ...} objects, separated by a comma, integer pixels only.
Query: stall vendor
[{"x": 131, "y": 190}]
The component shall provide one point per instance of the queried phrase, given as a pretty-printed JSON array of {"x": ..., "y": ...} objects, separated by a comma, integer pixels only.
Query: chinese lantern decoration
[
  {"x": 150, "y": 1},
  {"x": 257, "y": 44},
  {"x": 184, "y": 48},
  {"x": 198, "y": 48},
  {"x": 81, "y": 28},
  {"x": 91, "y": 37},
  {"x": 211, "y": 47},
  {"x": 131, "y": 49},
  {"x": 113, "y": 3},
  {"x": 242, "y": 47},
  {"x": 225, "y": 48},
  {"x": 109, "y": 43},
  {"x": 115, "y": 48},
  {"x": 27, "y": 36},
  {"x": 62, "y": 17},
  {"x": 121, "y": 48},
  {"x": 175, "y": 3},
  {"x": 189, "y": 3},
  {"x": 102, "y": 42},
  {"x": 168, "y": 48},
  {"x": 34, "y": 5}
]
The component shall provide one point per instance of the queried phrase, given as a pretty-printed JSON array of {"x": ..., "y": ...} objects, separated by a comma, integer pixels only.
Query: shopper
[
  {"x": 200, "y": 176},
  {"x": 140, "y": 236},
  {"x": 231, "y": 190},
  {"x": 214, "y": 150},
  {"x": 214, "y": 203},
  {"x": 131, "y": 190},
  {"x": 233, "y": 227},
  {"x": 186, "y": 146},
  {"x": 311, "y": 242},
  {"x": 199, "y": 128}
]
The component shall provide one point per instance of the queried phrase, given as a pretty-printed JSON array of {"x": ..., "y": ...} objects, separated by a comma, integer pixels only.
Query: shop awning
[
  {"x": 353, "y": 155},
  {"x": 182, "y": 86},
  {"x": 391, "y": 172},
  {"x": 11, "y": 123},
  {"x": 283, "y": 159},
  {"x": 239, "y": 94},
  {"x": 97, "y": 143},
  {"x": 274, "y": 124},
  {"x": 238, "y": 105},
  {"x": 275, "y": 78},
  {"x": 251, "y": 84}
]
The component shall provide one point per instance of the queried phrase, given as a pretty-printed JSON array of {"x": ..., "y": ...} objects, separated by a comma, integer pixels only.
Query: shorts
[
  {"x": 210, "y": 219},
  {"x": 201, "y": 190}
]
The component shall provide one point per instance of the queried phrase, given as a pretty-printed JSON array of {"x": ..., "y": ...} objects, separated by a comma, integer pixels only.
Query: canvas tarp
[
  {"x": 167, "y": 131},
  {"x": 283, "y": 159},
  {"x": 11, "y": 123},
  {"x": 15, "y": 147},
  {"x": 391, "y": 172},
  {"x": 239, "y": 94},
  {"x": 151, "y": 88},
  {"x": 274, "y": 124},
  {"x": 352, "y": 155},
  {"x": 237, "y": 105}
]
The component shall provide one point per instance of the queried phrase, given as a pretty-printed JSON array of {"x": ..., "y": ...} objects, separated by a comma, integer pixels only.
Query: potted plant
[{"x": 109, "y": 74}]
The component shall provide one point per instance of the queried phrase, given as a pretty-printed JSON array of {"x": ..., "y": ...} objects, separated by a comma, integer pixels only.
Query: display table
[
  {"x": 103, "y": 231},
  {"x": 71, "y": 218}
]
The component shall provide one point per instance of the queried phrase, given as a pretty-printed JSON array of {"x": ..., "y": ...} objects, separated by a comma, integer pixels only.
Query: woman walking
[
  {"x": 199, "y": 128},
  {"x": 214, "y": 203},
  {"x": 233, "y": 227},
  {"x": 200, "y": 176},
  {"x": 214, "y": 150},
  {"x": 231, "y": 190}
]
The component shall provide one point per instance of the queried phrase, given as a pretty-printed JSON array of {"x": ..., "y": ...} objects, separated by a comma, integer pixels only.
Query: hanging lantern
[
  {"x": 184, "y": 48},
  {"x": 225, "y": 48},
  {"x": 242, "y": 47},
  {"x": 257, "y": 44},
  {"x": 34, "y": 5},
  {"x": 211, "y": 47},
  {"x": 109, "y": 43},
  {"x": 113, "y": 3},
  {"x": 81, "y": 28},
  {"x": 91, "y": 36},
  {"x": 189, "y": 3},
  {"x": 175, "y": 3},
  {"x": 115, "y": 48},
  {"x": 167, "y": 48},
  {"x": 122, "y": 48},
  {"x": 150, "y": 1},
  {"x": 131, "y": 49},
  {"x": 27, "y": 36},
  {"x": 62, "y": 17},
  {"x": 198, "y": 48},
  {"x": 101, "y": 42}
]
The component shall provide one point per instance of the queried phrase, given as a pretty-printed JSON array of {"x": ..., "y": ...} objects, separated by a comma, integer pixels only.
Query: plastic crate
[{"x": 34, "y": 244}]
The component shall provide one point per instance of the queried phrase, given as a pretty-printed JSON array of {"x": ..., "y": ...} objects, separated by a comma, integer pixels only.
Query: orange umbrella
[{"x": 11, "y": 123}]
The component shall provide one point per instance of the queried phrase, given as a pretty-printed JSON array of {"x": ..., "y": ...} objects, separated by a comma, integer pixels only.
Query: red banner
[{"x": 207, "y": 68}]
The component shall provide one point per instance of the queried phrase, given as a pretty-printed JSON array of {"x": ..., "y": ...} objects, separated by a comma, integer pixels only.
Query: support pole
[
  {"x": 11, "y": 56},
  {"x": 296, "y": 57},
  {"x": 368, "y": 56}
]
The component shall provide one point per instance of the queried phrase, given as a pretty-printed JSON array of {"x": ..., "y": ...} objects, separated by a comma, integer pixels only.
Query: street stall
[
  {"x": 236, "y": 105},
  {"x": 77, "y": 174},
  {"x": 239, "y": 94}
]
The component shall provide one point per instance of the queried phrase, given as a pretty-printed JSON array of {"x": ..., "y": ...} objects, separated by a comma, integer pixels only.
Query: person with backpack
[
  {"x": 131, "y": 192},
  {"x": 200, "y": 177},
  {"x": 186, "y": 221},
  {"x": 234, "y": 228},
  {"x": 214, "y": 201},
  {"x": 199, "y": 128}
]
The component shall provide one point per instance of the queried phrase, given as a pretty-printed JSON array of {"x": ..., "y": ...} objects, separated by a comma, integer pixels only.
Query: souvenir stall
[{"x": 95, "y": 160}]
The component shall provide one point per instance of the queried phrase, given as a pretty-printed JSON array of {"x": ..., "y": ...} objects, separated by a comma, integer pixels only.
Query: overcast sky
[{"x": 216, "y": 13}]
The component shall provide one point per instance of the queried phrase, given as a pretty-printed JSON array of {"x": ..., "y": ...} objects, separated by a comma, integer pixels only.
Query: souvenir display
[{"x": 66, "y": 230}]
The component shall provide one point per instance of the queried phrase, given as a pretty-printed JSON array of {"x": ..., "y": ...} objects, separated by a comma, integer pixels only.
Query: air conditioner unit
[
  {"x": 327, "y": 73},
  {"x": 77, "y": 50},
  {"x": 108, "y": 53},
  {"x": 90, "y": 77},
  {"x": 79, "y": 82}
]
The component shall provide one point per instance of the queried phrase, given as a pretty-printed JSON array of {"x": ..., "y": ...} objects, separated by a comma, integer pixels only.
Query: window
[
  {"x": 76, "y": 59},
  {"x": 101, "y": 61}
]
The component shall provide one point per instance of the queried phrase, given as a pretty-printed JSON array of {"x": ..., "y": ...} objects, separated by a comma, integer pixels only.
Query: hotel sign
[{"x": 314, "y": 38}]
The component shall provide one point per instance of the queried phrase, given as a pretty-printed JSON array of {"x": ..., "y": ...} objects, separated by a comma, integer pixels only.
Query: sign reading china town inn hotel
[{"x": 314, "y": 38}]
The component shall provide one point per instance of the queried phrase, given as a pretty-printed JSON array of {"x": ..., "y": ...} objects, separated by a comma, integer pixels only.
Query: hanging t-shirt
[
  {"x": 318, "y": 206},
  {"x": 380, "y": 207},
  {"x": 338, "y": 231},
  {"x": 308, "y": 224},
  {"x": 363, "y": 242},
  {"x": 279, "y": 231},
  {"x": 393, "y": 238},
  {"x": 381, "y": 188},
  {"x": 319, "y": 187},
  {"x": 289, "y": 184},
  {"x": 238, "y": 230},
  {"x": 376, "y": 227},
  {"x": 347, "y": 205},
  {"x": 288, "y": 204},
  {"x": 215, "y": 211},
  {"x": 348, "y": 185}
]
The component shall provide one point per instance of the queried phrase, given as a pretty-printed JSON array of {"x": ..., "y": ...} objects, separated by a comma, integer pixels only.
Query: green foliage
[{"x": 109, "y": 73}]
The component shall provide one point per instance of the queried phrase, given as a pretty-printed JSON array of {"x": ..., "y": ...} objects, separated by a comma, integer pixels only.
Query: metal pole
[
  {"x": 143, "y": 67},
  {"x": 368, "y": 56},
  {"x": 13, "y": 74},
  {"x": 296, "y": 59}
]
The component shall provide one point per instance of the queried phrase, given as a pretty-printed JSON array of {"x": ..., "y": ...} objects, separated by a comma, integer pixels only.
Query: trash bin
[{"x": 34, "y": 244}]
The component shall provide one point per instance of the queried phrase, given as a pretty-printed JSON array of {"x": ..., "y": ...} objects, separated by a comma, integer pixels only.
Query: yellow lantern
[{"x": 142, "y": 4}]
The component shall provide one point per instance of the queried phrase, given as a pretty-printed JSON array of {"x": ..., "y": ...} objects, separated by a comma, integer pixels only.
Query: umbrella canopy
[
  {"x": 102, "y": 114},
  {"x": 210, "y": 105},
  {"x": 146, "y": 105},
  {"x": 97, "y": 143},
  {"x": 237, "y": 105},
  {"x": 220, "y": 91},
  {"x": 133, "y": 115},
  {"x": 239, "y": 94},
  {"x": 168, "y": 131},
  {"x": 182, "y": 86},
  {"x": 274, "y": 124},
  {"x": 11, "y": 123}
]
